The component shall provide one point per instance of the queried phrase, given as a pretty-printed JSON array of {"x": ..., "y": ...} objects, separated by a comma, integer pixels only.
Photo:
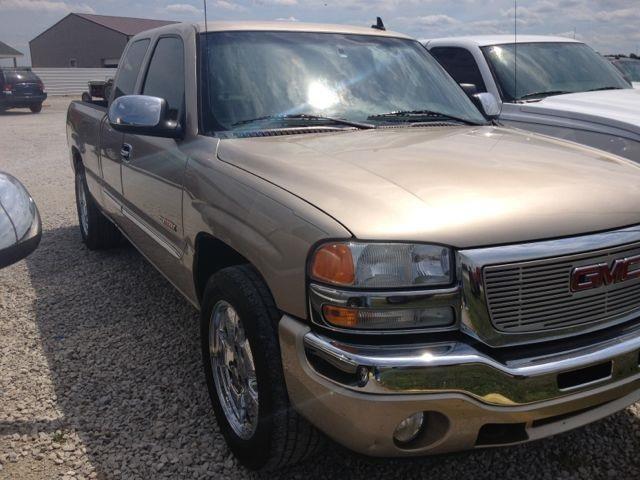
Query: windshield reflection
[{"x": 268, "y": 75}]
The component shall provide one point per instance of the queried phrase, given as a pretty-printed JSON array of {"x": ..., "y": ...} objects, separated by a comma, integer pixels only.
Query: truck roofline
[
  {"x": 279, "y": 26},
  {"x": 486, "y": 40}
]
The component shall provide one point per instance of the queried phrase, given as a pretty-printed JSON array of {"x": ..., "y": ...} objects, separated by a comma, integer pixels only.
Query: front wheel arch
[{"x": 211, "y": 256}]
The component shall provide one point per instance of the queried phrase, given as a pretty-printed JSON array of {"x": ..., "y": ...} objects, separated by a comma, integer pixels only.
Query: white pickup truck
[{"x": 562, "y": 87}]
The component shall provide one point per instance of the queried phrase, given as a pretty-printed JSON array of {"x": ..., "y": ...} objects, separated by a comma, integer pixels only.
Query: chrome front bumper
[{"x": 359, "y": 394}]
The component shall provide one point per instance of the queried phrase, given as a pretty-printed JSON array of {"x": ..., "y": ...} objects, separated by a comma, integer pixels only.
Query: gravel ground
[{"x": 100, "y": 371}]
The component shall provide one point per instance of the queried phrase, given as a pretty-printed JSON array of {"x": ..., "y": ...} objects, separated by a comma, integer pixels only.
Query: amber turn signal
[
  {"x": 333, "y": 263},
  {"x": 340, "y": 316}
]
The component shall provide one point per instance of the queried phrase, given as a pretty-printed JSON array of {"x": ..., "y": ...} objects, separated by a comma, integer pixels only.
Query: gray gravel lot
[{"x": 100, "y": 371}]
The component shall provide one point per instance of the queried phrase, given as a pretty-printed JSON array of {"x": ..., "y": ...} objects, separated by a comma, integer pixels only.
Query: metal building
[
  {"x": 87, "y": 41},
  {"x": 9, "y": 52}
]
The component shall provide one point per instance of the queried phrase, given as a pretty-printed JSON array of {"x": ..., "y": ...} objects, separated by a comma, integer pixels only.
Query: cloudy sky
[{"x": 610, "y": 26}]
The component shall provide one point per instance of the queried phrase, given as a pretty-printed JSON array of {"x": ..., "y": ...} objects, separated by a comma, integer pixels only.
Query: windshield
[
  {"x": 550, "y": 67},
  {"x": 253, "y": 75},
  {"x": 631, "y": 68}
]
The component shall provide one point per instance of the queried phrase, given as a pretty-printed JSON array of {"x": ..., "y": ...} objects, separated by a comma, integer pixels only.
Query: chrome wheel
[
  {"x": 233, "y": 369},
  {"x": 83, "y": 209}
]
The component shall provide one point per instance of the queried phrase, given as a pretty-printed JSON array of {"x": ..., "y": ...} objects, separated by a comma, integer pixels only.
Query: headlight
[
  {"x": 380, "y": 277},
  {"x": 382, "y": 265}
]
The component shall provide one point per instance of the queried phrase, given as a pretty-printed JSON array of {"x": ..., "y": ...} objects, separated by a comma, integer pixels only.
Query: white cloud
[
  {"x": 282, "y": 3},
  {"x": 44, "y": 6},
  {"x": 212, "y": 6},
  {"x": 436, "y": 20},
  {"x": 287, "y": 19},
  {"x": 226, "y": 5},
  {"x": 182, "y": 8},
  {"x": 620, "y": 15}
]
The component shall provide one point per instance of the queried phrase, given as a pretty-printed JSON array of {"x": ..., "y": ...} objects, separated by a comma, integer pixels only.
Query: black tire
[
  {"x": 37, "y": 108},
  {"x": 282, "y": 437},
  {"x": 97, "y": 231}
]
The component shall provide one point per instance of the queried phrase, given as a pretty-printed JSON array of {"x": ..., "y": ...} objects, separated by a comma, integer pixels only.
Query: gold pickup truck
[{"x": 375, "y": 259}]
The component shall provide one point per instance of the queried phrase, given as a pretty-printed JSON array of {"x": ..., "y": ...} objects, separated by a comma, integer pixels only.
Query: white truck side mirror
[{"x": 489, "y": 104}]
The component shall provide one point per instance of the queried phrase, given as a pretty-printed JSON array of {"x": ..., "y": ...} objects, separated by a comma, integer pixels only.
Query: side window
[
  {"x": 461, "y": 65},
  {"x": 165, "y": 77},
  {"x": 130, "y": 67}
]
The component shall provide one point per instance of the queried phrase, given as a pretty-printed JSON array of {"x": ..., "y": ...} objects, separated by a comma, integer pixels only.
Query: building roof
[
  {"x": 126, "y": 25},
  {"x": 486, "y": 40},
  {"x": 8, "y": 52},
  {"x": 286, "y": 26}
]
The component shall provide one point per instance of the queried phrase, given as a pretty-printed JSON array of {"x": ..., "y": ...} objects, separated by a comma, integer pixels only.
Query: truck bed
[{"x": 84, "y": 121}]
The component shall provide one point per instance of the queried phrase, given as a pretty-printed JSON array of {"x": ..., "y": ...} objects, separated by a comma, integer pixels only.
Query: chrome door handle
[{"x": 125, "y": 152}]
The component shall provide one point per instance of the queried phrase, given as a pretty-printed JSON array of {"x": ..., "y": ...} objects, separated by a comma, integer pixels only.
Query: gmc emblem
[{"x": 596, "y": 276}]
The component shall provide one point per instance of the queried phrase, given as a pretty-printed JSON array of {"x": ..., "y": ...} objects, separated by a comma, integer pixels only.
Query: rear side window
[
  {"x": 165, "y": 77},
  {"x": 460, "y": 64},
  {"x": 130, "y": 67}
]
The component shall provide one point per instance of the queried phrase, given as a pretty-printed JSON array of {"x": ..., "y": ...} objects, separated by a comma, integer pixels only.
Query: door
[
  {"x": 110, "y": 140},
  {"x": 152, "y": 175}
]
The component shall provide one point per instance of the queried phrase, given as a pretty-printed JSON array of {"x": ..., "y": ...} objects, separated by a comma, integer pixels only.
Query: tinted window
[
  {"x": 165, "y": 77},
  {"x": 250, "y": 75},
  {"x": 130, "y": 67},
  {"x": 20, "y": 76},
  {"x": 461, "y": 65},
  {"x": 550, "y": 69}
]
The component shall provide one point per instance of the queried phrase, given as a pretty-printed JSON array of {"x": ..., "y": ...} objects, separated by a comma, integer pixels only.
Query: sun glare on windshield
[{"x": 321, "y": 96}]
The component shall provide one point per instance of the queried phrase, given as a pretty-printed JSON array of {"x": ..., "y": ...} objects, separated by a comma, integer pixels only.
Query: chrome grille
[{"x": 536, "y": 296}]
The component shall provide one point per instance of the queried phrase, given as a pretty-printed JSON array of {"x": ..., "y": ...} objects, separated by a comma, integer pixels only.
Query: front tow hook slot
[{"x": 585, "y": 376}]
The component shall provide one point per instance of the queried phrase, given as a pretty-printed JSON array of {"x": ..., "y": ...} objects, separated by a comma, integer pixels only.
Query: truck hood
[
  {"x": 613, "y": 108},
  {"x": 459, "y": 186}
]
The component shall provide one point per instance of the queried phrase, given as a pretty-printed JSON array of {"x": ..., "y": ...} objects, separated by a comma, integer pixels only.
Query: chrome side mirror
[
  {"x": 489, "y": 104},
  {"x": 20, "y": 225},
  {"x": 143, "y": 115}
]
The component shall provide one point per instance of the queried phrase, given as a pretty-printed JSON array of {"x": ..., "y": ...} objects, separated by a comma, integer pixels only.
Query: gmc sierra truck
[{"x": 374, "y": 260}]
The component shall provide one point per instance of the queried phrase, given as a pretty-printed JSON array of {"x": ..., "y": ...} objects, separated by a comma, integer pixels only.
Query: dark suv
[{"x": 21, "y": 88}]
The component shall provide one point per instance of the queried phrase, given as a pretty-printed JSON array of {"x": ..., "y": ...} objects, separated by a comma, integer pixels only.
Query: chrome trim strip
[
  {"x": 470, "y": 264},
  {"x": 458, "y": 367},
  {"x": 320, "y": 295},
  {"x": 114, "y": 202},
  {"x": 150, "y": 231},
  {"x": 552, "y": 248}
]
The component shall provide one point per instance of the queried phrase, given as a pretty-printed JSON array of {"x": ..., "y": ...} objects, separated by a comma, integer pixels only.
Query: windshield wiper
[
  {"x": 414, "y": 115},
  {"x": 543, "y": 94},
  {"x": 305, "y": 117}
]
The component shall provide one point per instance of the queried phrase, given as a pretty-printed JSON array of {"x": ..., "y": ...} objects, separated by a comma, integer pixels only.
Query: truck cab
[{"x": 550, "y": 85}]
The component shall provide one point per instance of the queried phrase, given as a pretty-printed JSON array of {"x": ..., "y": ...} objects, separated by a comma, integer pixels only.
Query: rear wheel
[
  {"x": 97, "y": 231},
  {"x": 37, "y": 108},
  {"x": 241, "y": 355}
]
